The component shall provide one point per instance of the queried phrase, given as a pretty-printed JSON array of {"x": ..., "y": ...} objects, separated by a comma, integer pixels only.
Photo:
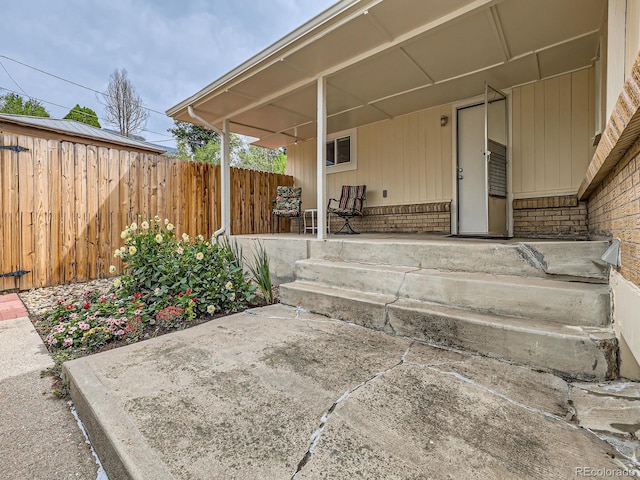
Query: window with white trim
[{"x": 341, "y": 151}]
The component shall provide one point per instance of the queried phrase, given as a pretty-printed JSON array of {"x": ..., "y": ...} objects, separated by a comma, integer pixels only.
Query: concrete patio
[{"x": 279, "y": 393}]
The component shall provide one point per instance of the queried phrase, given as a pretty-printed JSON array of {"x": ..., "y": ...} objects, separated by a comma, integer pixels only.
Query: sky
[{"x": 170, "y": 49}]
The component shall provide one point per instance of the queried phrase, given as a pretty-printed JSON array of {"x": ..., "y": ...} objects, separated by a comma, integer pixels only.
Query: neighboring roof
[
  {"x": 78, "y": 129},
  {"x": 385, "y": 58}
]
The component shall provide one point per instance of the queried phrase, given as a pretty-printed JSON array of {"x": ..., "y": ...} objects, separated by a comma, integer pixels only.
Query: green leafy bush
[{"x": 166, "y": 279}]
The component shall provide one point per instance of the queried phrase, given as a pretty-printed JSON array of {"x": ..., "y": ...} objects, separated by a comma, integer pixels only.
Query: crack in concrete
[
  {"x": 502, "y": 396},
  {"x": 387, "y": 322},
  {"x": 315, "y": 437},
  {"x": 531, "y": 255},
  {"x": 567, "y": 421}
]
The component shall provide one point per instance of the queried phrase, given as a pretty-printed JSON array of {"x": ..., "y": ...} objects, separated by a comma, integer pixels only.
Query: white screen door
[{"x": 481, "y": 127}]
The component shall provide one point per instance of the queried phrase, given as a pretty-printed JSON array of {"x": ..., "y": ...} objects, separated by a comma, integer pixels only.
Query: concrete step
[
  {"x": 562, "y": 260},
  {"x": 569, "y": 303},
  {"x": 586, "y": 353}
]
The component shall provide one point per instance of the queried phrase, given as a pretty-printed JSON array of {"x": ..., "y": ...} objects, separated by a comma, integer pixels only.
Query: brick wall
[
  {"x": 550, "y": 217},
  {"x": 416, "y": 218},
  {"x": 614, "y": 211}
]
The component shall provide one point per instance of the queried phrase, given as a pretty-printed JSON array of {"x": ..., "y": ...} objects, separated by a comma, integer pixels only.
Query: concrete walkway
[
  {"x": 39, "y": 437},
  {"x": 276, "y": 393}
]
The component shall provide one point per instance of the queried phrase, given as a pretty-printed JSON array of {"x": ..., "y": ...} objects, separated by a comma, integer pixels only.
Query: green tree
[
  {"x": 190, "y": 137},
  {"x": 202, "y": 145},
  {"x": 264, "y": 159},
  {"x": 83, "y": 115},
  {"x": 16, "y": 105}
]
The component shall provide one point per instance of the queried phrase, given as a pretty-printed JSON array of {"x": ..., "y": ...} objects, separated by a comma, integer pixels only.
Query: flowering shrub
[
  {"x": 194, "y": 274},
  {"x": 94, "y": 320},
  {"x": 166, "y": 279}
]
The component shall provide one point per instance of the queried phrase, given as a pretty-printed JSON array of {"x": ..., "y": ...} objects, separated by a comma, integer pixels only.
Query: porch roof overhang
[{"x": 386, "y": 58}]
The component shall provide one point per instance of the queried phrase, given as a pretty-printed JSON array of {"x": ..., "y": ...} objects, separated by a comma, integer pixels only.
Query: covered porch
[{"x": 474, "y": 117}]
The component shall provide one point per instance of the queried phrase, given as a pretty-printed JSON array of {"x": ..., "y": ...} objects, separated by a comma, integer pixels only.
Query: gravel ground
[{"x": 39, "y": 300}]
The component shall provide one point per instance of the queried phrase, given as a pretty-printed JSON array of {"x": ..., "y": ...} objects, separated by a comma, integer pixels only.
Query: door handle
[{"x": 460, "y": 176}]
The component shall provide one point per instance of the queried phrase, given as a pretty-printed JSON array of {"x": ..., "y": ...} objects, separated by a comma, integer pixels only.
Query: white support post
[
  {"x": 225, "y": 179},
  {"x": 322, "y": 157}
]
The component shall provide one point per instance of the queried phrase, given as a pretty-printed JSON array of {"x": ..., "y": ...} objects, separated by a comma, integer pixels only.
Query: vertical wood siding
[
  {"x": 552, "y": 134},
  {"x": 409, "y": 156}
]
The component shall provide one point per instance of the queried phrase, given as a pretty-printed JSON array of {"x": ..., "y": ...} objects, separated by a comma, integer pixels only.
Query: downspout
[{"x": 223, "y": 200}]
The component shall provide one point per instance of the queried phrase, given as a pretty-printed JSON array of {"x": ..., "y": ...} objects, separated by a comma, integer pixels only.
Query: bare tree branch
[{"x": 123, "y": 106}]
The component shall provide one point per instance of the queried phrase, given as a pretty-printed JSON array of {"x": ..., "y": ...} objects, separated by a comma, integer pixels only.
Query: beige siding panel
[
  {"x": 528, "y": 139},
  {"x": 431, "y": 160},
  {"x": 552, "y": 126},
  {"x": 565, "y": 137},
  {"x": 516, "y": 140},
  {"x": 446, "y": 155},
  {"x": 539, "y": 138},
  {"x": 421, "y": 170},
  {"x": 551, "y": 133},
  {"x": 410, "y": 157},
  {"x": 581, "y": 133},
  {"x": 632, "y": 35}
]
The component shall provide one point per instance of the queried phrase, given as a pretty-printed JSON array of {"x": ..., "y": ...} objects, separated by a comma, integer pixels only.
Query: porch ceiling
[{"x": 385, "y": 58}]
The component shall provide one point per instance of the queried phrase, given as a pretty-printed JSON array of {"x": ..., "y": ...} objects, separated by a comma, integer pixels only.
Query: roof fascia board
[
  {"x": 463, "y": 11},
  {"x": 288, "y": 40}
]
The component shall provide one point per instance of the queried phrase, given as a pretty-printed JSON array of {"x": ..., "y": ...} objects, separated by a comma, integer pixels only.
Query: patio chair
[
  {"x": 351, "y": 204},
  {"x": 288, "y": 204}
]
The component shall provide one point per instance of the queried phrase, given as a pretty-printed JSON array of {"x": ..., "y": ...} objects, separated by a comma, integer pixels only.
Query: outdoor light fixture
[{"x": 444, "y": 120}]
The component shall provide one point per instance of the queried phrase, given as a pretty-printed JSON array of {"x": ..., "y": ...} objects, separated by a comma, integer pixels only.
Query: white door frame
[{"x": 468, "y": 102}]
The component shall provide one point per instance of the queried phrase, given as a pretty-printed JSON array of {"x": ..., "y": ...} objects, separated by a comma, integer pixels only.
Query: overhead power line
[
  {"x": 68, "y": 81},
  {"x": 12, "y": 79}
]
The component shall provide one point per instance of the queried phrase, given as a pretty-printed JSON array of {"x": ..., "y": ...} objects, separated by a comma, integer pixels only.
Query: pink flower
[
  {"x": 121, "y": 310},
  {"x": 60, "y": 327},
  {"x": 83, "y": 326},
  {"x": 67, "y": 342},
  {"x": 74, "y": 315},
  {"x": 103, "y": 299},
  {"x": 72, "y": 329},
  {"x": 120, "y": 332}
]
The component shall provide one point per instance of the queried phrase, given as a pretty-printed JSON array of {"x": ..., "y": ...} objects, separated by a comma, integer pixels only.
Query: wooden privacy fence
[{"x": 63, "y": 205}]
